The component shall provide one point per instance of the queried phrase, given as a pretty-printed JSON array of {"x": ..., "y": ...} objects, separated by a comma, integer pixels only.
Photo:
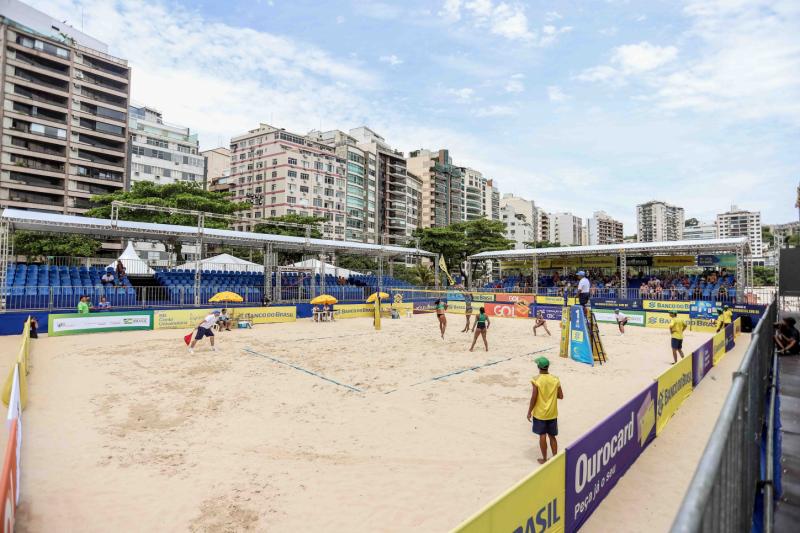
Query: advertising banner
[
  {"x": 509, "y": 310},
  {"x": 460, "y": 308},
  {"x": 596, "y": 461},
  {"x": 635, "y": 318},
  {"x": 737, "y": 327},
  {"x": 673, "y": 260},
  {"x": 702, "y": 361},
  {"x": 703, "y": 325},
  {"x": 179, "y": 318},
  {"x": 638, "y": 261},
  {"x": 476, "y": 296},
  {"x": 9, "y": 484},
  {"x": 667, "y": 305},
  {"x": 514, "y": 297},
  {"x": 729, "y": 342},
  {"x": 722, "y": 260},
  {"x": 550, "y": 300},
  {"x": 719, "y": 346},
  {"x": 564, "y": 344},
  {"x": 535, "y": 504},
  {"x": 616, "y": 303},
  {"x": 423, "y": 306},
  {"x": 76, "y": 324},
  {"x": 703, "y": 309},
  {"x": 597, "y": 262},
  {"x": 265, "y": 315},
  {"x": 674, "y": 386},
  {"x": 661, "y": 320},
  {"x": 580, "y": 345},
  {"x": 368, "y": 310},
  {"x": 549, "y": 312}
]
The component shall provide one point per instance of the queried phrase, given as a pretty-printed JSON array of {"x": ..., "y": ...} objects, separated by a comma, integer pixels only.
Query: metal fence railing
[{"x": 724, "y": 487}]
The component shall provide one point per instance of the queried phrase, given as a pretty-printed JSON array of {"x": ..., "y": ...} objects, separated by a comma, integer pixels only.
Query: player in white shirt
[
  {"x": 204, "y": 330},
  {"x": 621, "y": 320}
]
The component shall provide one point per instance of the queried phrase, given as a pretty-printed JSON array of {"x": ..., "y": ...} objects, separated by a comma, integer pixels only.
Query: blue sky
[{"x": 578, "y": 105}]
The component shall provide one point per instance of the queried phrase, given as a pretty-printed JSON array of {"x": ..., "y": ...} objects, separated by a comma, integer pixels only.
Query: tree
[
  {"x": 181, "y": 195},
  {"x": 359, "y": 263},
  {"x": 36, "y": 246},
  {"x": 767, "y": 236},
  {"x": 763, "y": 276},
  {"x": 273, "y": 226},
  {"x": 691, "y": 223},
  {"x": 543, "y": 244},
  {"x": 458, "y": 241}
]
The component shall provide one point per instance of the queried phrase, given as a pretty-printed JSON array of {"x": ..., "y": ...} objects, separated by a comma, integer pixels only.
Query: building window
[
  {"x": 290, "y": 199},
  {"x": 274, "y": 173},
  {"x": 303, "y": 176},
  {"x": 292, "y": 174},
  {"x": 292, "y": 161},
  {"x": 303, "y": 188}
]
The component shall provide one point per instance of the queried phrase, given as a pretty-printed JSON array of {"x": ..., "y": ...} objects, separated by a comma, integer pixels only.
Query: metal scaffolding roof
[
  {"x": 738, "y": 244},
  {"x": 123, "y": 229}
]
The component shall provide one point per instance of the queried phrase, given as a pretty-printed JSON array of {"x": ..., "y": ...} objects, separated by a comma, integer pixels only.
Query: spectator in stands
[
  {"x": 83, "y": 305},
  {"x": 107, "y": 279},
  {"x": 103, "y": 305},
  {"x": 787, "y": 337},
  {"x": 643, "y": 291},
  {"x": 120, "y": 272}
]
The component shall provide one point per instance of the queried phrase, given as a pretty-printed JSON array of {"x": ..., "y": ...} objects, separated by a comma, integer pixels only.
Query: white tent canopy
[
  {"x": 224, "y": 262},
  {"x": 134, "y": 265},
  {"x": 329, "y": 268}
]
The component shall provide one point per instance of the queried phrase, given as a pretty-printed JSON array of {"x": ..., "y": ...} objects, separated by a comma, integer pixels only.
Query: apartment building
[
  {"x": 479, "y": 196},
  {"x": 566, "y": 229},
  {"x": 740, "y": 223},
  {"x": 694, "y": 229},
  {"x": 442, "y": 187},
  {"x": 603, "y": 229},
  {"x": 542, "y": 232},
  {"x": 518, "y": 225},
  {"x": 282, "y": 173},
  {"x": 160, "y": 152},
  {"x": 492, "y": 200},
  {"x": 64, "y": 115},
  {"x": 216, "y": 169},
  {"x": 658, "y": 221}
]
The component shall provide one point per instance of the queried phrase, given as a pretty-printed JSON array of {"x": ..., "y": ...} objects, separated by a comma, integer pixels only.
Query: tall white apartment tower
[
  {"x": 740, "y": 223},
  {"x": 566, "y": 229},
  {"x": 161, "y": 152},
  {"x": 659, "y": 221}
]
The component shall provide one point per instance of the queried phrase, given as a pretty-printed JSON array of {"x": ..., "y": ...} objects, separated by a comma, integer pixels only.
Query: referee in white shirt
[{"x": 583, "y": 289}]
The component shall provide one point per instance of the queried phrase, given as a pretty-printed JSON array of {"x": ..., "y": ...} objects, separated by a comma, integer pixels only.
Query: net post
[{"x": 436, "y": 270}]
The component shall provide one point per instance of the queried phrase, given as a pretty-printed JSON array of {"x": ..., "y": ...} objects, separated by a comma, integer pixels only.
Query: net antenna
[{"x": 117, "y": 205}]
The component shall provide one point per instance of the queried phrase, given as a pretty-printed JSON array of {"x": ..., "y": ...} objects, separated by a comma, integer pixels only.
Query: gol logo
[{"x": 506, "y": 310}]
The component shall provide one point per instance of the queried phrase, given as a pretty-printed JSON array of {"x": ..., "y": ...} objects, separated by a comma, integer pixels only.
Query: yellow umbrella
[
  {"x": 324, "y": 299},
  {"x": 226, "y": 296},
  {"x": 375, "y": 295}
]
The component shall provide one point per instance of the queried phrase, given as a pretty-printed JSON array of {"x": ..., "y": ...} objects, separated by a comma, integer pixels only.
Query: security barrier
[
  {"x": 15, "y": 396},
  {"x": 561, "y": 495}
]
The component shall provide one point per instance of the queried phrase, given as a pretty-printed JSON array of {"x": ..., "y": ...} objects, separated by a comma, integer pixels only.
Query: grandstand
[
  {"x": 633, "y": 271},
  {"x": 47, "y": 286}
]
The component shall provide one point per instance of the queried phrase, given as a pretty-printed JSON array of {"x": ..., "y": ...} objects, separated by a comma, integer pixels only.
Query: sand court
[{"x": 302, "y": 426}]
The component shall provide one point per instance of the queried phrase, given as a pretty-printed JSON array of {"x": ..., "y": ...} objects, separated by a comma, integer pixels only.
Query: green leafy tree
[
  {"x": 359, "y": 263},
  {"x": 37, "y": 246},
  {"x": 274, "y": 226},
  {"x": 767, "y": 236},
  {"x": 458, "y": 241},
  {"x": 763, "y": 276}
]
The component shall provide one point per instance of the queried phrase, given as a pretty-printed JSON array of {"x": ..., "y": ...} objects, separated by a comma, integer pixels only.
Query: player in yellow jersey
[
  {"x": 676, "y": 329},
  {"x": 543, "y": 407}
]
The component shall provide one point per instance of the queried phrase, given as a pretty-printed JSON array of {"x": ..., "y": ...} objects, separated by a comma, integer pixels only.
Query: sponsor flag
[
  {"x": 188, "y": 338},
  {"x": 443, "y": 268}
]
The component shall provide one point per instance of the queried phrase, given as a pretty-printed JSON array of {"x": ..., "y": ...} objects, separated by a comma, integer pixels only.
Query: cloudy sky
[{"x": 577, "y": 105}]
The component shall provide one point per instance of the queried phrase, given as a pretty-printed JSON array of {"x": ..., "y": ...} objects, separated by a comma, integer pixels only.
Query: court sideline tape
[{"x": 301, "y": 369}]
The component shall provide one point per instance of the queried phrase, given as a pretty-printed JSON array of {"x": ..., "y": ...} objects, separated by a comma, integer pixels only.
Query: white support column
[
  {"x": 623, "y": 273},
  {"x": 322, "y": 273},
  {"x": 5, "y": 247},
  {"x": 198, "y": 269},
  {"x": 741, "y": 273}
]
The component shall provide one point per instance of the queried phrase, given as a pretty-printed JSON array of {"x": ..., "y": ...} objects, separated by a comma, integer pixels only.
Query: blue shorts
[
  {"x": 203, "y": 332},
  {"x": 677, "y": 344},
  {"x": 545, "y": 427}
]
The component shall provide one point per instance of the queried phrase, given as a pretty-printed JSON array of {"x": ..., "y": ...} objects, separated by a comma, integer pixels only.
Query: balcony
[
  {"x": 36, "y": 197},
  {"x": 38, "y": 129},
  {"x": 105, "y": 98},
  {"x": 41, "y": 62},
  {"x": 42, "y": 46},
  {"x": 33, "y": 146},
  {"x": 36, "y": 181},
  {"x": 98, "y": 174},
  {"x": 103, "y": 144},
  {"x": 40, "y": 79},
  {"x": 36, "y": 164},
  {"x": 80, "y": 203},
  {"x": 39, "y": 112},
  {"x": 102, "y": 160},
  {"x": 40, "y": 96},
  {"x": 94, "y": 189},
  {"x": 101, "y": 127},
  {"x": 105, "y": 83},
  {"x": 103, "y": 112},
  {"x": 108, "y": 68}
]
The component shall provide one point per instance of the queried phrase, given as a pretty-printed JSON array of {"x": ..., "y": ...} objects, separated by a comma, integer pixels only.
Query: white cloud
[
  {"x": 515, "y": 84},
  {"x": 494, "y": 111},
  {"x": 609, "y": 31},
  {"x": 340, "y": 19},
  {"x": 551, "y": 16},
  {"x": 462, "y": 95},
  {"x": 598, "y": 73},
  {"x": 392, "y": 59},
  {"x": 642, "y": 57},
  {"x": 451, "y": 10},
  {"x": 555, "y": 94}
]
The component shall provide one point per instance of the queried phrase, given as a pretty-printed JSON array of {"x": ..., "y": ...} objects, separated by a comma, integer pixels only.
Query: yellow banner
[
  {"x": 563, "y": 350},
  {"x": 460, "y": 308},
  {"x": 719, "y": 346},
  {"x": 264, "y": 315},
  {"x": 673, "y": 260},
  {"x": 674, "y": 386},
  {"x": 666, "y": 305},
  {"x": 190, "y": 318},
  {"x": 597, "y": 262},
  {"x": 737, "y": 327},
  {"x": 368, "y": 310},
  {"x": 550, "y": 300},
  {"x": 703, "y": 325},
  {"x": 538, "y": 499},
  {"x": 586, "y": 261},
  {"x": 661, "y": 320}
]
